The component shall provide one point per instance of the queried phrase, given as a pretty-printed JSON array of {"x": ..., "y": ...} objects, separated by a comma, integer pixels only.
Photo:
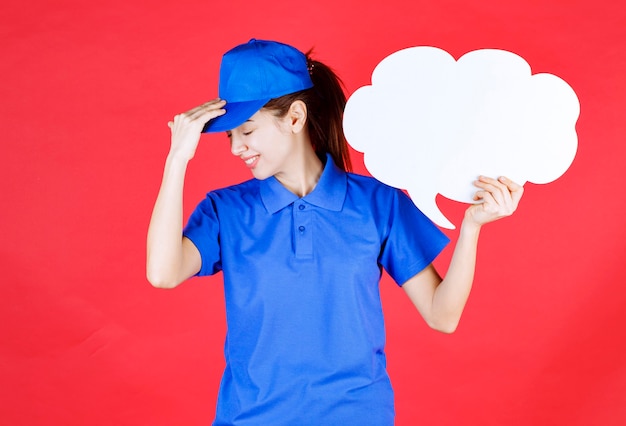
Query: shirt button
[
  {"x": 301, "y": 228},
  {"x": 301, "y": 206}
]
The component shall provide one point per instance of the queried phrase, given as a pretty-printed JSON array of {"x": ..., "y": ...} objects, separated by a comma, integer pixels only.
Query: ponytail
[{"x": 325, "y": 103}]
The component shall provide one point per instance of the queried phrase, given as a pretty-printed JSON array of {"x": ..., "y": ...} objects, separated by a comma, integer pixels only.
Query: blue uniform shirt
[{"x": 305, "y": 340}]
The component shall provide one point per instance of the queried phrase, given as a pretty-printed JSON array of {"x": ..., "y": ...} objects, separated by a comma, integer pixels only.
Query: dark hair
[{"x": 325, "y": 104}]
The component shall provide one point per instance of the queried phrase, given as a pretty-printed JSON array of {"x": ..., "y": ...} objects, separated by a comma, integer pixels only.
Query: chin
[{"x": 258, "y": 174}]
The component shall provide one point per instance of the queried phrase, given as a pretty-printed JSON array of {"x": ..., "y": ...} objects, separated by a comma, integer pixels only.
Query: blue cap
[{"x": 252, "y": 74}]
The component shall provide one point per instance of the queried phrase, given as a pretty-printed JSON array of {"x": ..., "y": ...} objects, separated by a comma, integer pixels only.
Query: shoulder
[
  {"x": 368, "y": 186},
  {"x": 231, "y": 197},
  {"x": 387, "y": 202},
  {"x": 234, "y": 193}
]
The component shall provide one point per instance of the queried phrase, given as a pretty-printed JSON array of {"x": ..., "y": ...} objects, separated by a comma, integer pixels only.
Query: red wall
[{"x": 86, "y": 90}]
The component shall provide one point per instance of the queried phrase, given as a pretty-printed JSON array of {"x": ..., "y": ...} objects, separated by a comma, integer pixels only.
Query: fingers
[
  {"x": 515, "y": 189},
  {"x": 186, "y": 128},
  {"x": 200, "y": 114},
  {"x": 505, "y": 193},
  {"x": 212, "y": 107},
  {"x": 499, "y": 198},
  {"x": 497, "y": 189},
  {"x": 486, "y": 198}
]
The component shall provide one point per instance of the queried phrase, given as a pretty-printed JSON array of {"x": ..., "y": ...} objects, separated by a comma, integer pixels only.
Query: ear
[{"x": 297, "y": 116}]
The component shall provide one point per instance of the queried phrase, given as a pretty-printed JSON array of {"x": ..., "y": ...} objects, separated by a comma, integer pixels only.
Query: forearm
[
  {"x": 172, "y": 259},
  {"x": 451, "y": 294},
  {"x": 165, "y": 251},
  {"x": 441, "y": 302}
]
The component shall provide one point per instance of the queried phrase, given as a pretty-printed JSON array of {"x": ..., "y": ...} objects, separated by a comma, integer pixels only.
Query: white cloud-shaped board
[{"x": 431, "y": 124}]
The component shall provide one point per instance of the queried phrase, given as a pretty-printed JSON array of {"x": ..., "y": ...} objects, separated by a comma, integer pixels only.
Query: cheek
[
  {"x": 274, "y": 142},
  {"x": 283, "y": 127}
]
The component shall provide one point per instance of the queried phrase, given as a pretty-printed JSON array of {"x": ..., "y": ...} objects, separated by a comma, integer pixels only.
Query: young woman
[{"x": 302, "y": 244}]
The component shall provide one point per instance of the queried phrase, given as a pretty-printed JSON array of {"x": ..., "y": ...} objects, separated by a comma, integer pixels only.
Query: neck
[{"x": 304, "y": 173}]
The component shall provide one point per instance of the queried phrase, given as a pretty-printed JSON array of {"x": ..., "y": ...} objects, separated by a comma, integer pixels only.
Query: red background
[{"x": 86, "y": 90}]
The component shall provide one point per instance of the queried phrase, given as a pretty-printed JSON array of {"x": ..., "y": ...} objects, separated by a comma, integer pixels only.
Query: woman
[{"x": 301, "y": 246}]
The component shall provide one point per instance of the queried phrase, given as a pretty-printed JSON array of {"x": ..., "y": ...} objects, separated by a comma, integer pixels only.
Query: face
[{"x": 264, "y": 143}]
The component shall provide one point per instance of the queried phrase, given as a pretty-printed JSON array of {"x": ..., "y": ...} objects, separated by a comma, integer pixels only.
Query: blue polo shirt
[{"x": 306, "y": 338}]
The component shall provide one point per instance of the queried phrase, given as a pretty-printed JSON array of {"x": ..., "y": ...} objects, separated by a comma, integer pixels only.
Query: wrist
[
  {"x": 470, "y": 227},
  {"x": 178, "y": 158}
]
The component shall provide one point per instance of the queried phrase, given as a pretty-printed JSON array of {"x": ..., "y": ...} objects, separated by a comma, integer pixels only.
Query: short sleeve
[
  {"x": 203, "y": 230},
  {"x": 413, "y": 240}
]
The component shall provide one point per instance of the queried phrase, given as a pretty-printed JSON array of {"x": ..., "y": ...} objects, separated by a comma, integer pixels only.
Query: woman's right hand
[{"x": 187, "y": 127}]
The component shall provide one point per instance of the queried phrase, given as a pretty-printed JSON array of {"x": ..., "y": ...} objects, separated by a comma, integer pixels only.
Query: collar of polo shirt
[{"x": 329, "y": 193}]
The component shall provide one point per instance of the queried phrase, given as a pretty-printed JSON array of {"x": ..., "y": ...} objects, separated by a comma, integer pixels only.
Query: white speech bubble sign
[{"x": 431, "y": 125}]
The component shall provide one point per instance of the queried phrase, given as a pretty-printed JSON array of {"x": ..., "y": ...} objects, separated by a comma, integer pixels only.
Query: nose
[{"x": 237, "y": 147}]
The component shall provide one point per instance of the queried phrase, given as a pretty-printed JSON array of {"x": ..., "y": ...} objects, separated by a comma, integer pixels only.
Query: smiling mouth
[{"x": 250, "y": 161}]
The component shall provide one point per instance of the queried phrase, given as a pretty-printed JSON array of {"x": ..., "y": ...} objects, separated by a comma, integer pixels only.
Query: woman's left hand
[{"x": 499, "y": 198}]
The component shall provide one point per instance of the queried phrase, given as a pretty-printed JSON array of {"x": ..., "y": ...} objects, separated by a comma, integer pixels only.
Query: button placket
[{"x": 302, "y": 230}]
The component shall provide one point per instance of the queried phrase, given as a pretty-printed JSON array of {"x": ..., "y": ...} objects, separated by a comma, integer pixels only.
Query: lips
[{"x": 251, "y": 161}]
